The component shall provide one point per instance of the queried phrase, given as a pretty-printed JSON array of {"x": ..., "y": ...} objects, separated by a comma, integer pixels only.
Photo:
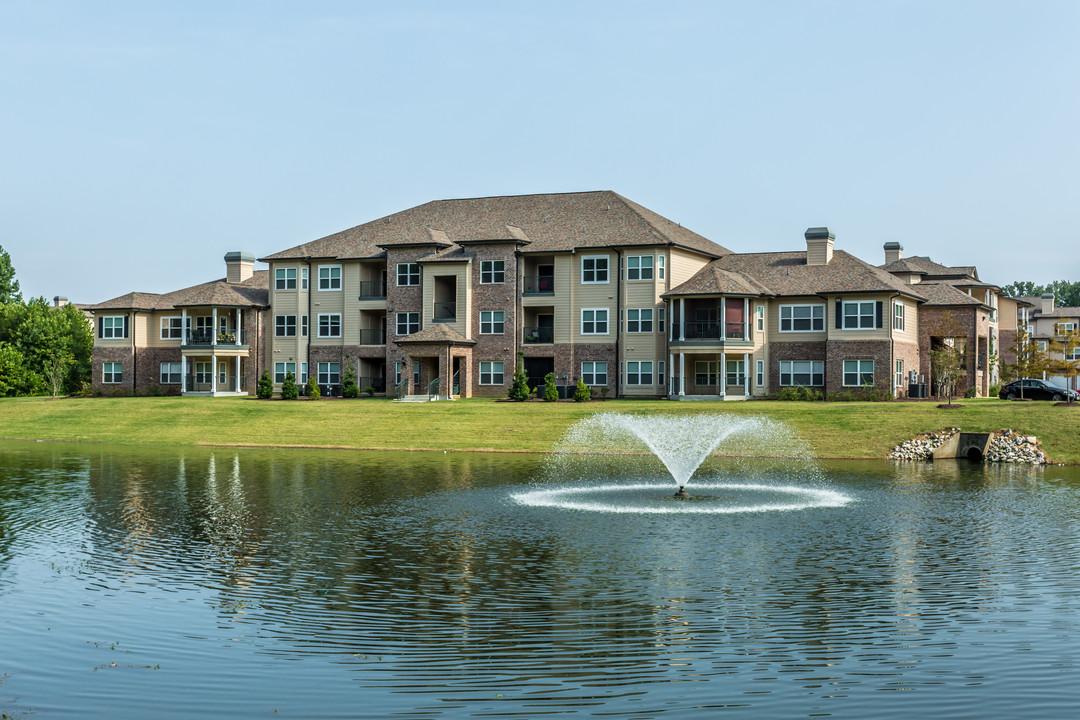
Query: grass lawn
[{"x": 834, "y": 430}]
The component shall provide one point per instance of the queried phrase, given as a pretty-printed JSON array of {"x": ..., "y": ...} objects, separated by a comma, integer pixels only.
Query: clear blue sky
[{"x": 142, "y": 141}]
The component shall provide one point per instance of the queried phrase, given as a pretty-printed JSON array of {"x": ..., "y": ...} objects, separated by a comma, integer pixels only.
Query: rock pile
[
  {"x": 922, "y": 447},
  {"x": 1009, "y": 447}
]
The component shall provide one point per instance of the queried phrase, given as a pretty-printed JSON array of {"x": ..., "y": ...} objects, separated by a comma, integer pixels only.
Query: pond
[{"x": 179, "y": 583}]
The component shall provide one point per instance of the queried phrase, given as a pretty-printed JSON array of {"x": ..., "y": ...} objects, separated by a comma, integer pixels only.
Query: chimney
[
  {"x": 1047, "y": 304},
  {"x": 59, "y": 301},
  {"x": 819, "y": 243},
  {"x": 239, "y": 266},
  {"x": 893, "y": 252}
]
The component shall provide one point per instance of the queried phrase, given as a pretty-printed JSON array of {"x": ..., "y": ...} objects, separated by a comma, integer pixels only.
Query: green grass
[{"x": 834, "y": 430}]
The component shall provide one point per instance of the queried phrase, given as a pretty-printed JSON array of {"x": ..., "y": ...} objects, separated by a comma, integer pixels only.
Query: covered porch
[
  {"x": 433, "y": 365},
  {"x": 217, "y": 373},
  {"x": 719, "y": 375}
]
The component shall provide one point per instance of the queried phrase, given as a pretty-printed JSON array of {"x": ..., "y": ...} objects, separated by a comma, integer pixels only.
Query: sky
[{"x": 143, "y": 141}]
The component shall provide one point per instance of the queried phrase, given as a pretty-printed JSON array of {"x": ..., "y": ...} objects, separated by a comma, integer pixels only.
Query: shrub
[
  {"x": 370, "y": 390},
  {"x": 995, "y": 389},
  {"x": 289, "y": 391},
  {"x": 264, "y": 390},
  {"x": 348, "y": 385},
  {"x": 788, "y": 393},
  {"x": 604, "y": 391},
  {"x": 313, "y": 391},
  {"x": 519, "y": 389},
  {"x": 551, "y": 393},
  {"x": 582, "y": 392}
]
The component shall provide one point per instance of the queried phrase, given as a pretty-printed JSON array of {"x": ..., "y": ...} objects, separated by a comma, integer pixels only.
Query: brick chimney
[
  {"x": 893, "y": 252},
  {"x": 239, "y": 266},
  {"x": 1047, "y": 303},
  {"x": 819, "y": 244}
]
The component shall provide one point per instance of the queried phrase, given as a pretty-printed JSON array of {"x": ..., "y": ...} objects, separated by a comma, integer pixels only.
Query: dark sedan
[{"x": 1034, "y": 389}]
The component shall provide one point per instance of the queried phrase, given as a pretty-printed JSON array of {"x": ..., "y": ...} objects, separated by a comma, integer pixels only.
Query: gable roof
[
  {"x": 253, "y": 292},
  {"x": 557, "y": 222},
  {"x": 783, "y": 274},
  {"x": 920, "y": 265},
  {"x": 938, "y": 292}
]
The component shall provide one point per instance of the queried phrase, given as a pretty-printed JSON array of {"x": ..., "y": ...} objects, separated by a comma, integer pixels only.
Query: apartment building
[{"x": 1046, "y": 323}]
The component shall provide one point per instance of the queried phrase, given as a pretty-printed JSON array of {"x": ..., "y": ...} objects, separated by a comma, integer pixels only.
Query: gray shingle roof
[
  {"x": 439, "y": 333},
  {"x": 556, "y": 222},
  {"x": 253, "y": 292},
  {"x": 920, "y": 265},
  {"x": 944, "y": 293}
]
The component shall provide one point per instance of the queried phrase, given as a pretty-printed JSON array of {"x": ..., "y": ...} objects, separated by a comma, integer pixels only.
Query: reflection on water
[{"x": 221, "y": 583}]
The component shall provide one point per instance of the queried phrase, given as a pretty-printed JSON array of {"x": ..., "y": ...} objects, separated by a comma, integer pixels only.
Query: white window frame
[
  {"x": 860, "y": 317},
  {"x": 397, "y": 372},
  {"x": 636, "y": 267},
  {"x": 488, "y": 372},
  {"x": 898, "y": 316},
  {"x": 407, "y": 322},
  {"x": 898, "y": 379},
  {"x": 660, "y": 267},
  {"x": 204, "y": 373},
  {"x": 789, "y": 369},
  {"x": 490, "y": 325},
  {"x": 281, "y": 369},
  {"x": 595, "y": 271},
  {"x": 661, "y": 319},
  {"x": 112, "y": 373},
  {"x": 759, "y": 315},
  {"x": 595, "y": 321},
  {"x": 708, "y": 369},
  {"x": 282, "y": 326},
  {"x": 223, "y": 373},
  {"x": 327, "y": 373},
  {"x": 168, "y": 370},
  {"x": 303, "y": 326},
  {"x": 738, "y": 376},
  {"x": 329, "y": 281},
  {"x": 303, "y": 373},
  {"x": 410, "y": 273},
  {"x": 639, "y": 320},
  {"x": 284, "y": 278},
  {"x": 327, "y": 330},
  {"x": 789, "y": 310},
  {"x": 639, "y": 373},
  {"x": 594, "y": 372},
  {"x": 172, "y": 327},
  {"x": 490, "y": 274},
  {"x": 760, "y": 373},
  {"x": 860, "y": 372},
  {"x": 112, "y": 327}
]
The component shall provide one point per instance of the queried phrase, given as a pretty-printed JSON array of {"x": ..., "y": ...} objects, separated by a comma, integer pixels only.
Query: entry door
[
  {"x": 545, "y": 328},
  {"x": 537, "y": 368}
]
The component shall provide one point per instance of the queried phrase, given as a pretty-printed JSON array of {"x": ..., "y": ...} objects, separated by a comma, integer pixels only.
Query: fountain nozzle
[{"x": 682, "y": 494}]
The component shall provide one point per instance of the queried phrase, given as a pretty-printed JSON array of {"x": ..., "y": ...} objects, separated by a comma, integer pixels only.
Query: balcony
[
  {"x": 200, "y": 337},
  {"x": 372, "y": 290},
  {"x": 376, "y": 336},
  {"x": 538, "y": 285},
  {"x": 710, "y": 330},
  {"x": 378, "y": 384},
  {"x": 445, "y": 312},
  {"x": 536, "y": 335}
]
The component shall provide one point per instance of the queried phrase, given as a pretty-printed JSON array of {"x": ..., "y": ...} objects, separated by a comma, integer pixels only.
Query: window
[
  {"x": 303, "y": 373},
  {"x": 408, "y": 274},
  {"x": 594, "y": 321},
  {"x": 858, "y": 373},
  {"x": 899, "y": 379},
  {"x": 303, "y": 325},
  {"x": 329, "y": 373},
  {"x": 660, "y": 268},
  {"x": 203, "y": 373},
  {"x": 492, "y": 271},
  {"x": 639, "y": 372},
  {"x": 859, "y": 315},
  {"x": 284, "y": 326},
  {"x": 303, "y": 278},
  {"x": 114, "y": 327},
  {"x": 802, "y": 318},
  {"x": 223, "y": 374},
  {"x": 804, "y": 373},
  {"x": 639, "y": 267},
  {"x": 281, "y": 369},
  {"x": 759, "y": 312},
  {"x": 285, "y": 279},
  {"x": 898, "y": 316},
  {"x": 397, "y": 373},
  {"x": 491, "y": 373},
  {"x": 1064, "y": 327},
  {"x": 329, "y": 324},
  {"x": 170, "y": 373},
  {"x": 111, "y": 372},
  {"x": 416, "y": 374},
  {"x": 660, "y": 373},
  {"x": 408, "y": 323},
  {"x": 491, "y": 322},
  {"x": 661, "y": 313},
  {"x": 705, "y": 373},
  {"x": 736, "y": 372},
  {"x": 172, "y": 328},
  {"x": 1073, "y": 355},
  {"x": 594, "y": 373},
  {"x": 760, "y": 380},
  {"x": 594, "y": 268},
  {"x": 329, "y": 277},
  {"x": 639, "y": 320}
]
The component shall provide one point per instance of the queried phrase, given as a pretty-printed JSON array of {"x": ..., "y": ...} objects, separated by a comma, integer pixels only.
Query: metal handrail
[
  {"x": 372, "y": 289},
  {"x": 538, "y": 285},
  {"x": 538, "y": 335},
  {"x": 375, "y": 336},
  {"x": 445, "y": 312},
  {"x": 433, "y": 389},
  {"x": 401, "y": 389},
  {"x": 455, "y": 383},
  {"x": 378, "y": 384},
  {"x": 701, "y": 330}
]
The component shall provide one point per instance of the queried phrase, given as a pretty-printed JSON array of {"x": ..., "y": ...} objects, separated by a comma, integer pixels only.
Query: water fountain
[{"x": 771, "y": 464}]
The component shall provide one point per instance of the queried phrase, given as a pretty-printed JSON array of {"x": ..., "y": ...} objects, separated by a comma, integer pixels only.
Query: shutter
[
  {"x": 101, "y": 327},
  {"x": 126, "y": 326},
  {"x": 880, "y": 310},
  {"x": 839, "y": 314}
]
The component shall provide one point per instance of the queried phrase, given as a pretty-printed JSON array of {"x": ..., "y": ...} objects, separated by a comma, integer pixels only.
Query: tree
[
  {"x": 1031, "y": 358},
  {"x": 313, "y": 391},
  {"x": 13, "y": 376},
  {"x": 551, "y": 393},
  {"x": 9, "y": 286},
  {"x": 582, "y": 393},
  {"x": 1066, "y": 294},
  {"x": 265, "y": 388},
  {"x": 519, "y": 389},
  {"x": 348, "y": 385},
  {"x": 1068, "y": 344},
  {"x": 56, "y": 370},
  {"x": 289, "y": 391},
  {"x": 947, "y": 362}
]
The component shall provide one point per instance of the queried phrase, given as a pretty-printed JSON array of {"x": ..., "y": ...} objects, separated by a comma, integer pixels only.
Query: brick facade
[
  {"x": 880, "y": 351},
  {"x": 786, "y": 351}
]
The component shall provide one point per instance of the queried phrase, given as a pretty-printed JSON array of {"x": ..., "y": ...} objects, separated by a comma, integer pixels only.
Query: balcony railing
[
  {"x": 539, "y": 335},
  {"x": 378, "y": 384},
  {"x": 539, "y": 285},
  {"x": 376, "y": 336},
  {"x": 445, "y": 312},
  {"x": 372, "y": 289},
  {"x": 708, "y": 330},
  {"x": 192, "y": 385},
  {"x": 208, "y": 337},
  {"x": 735, "y": 330}
]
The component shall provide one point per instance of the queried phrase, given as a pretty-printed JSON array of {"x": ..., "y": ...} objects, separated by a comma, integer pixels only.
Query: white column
[
  {"x": 682, "y": 373},
  {"x": 183, "y": 327},
  {"x": 237, "y": 382},
  {"x": 723, "y": 373},
  {"x": 746, "y": 374},
  {"x": 183, "y": 373},
  {"x": 213, "y": 373},
  {"x": 213, "y": 331},
  {"x": 239, "y": 324},
  {"x": 671, "y": 373}
]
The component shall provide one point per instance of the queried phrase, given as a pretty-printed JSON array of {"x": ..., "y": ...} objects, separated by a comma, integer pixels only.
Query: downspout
[
  {"x": 310, "y": 318},
  {"x": 618, "y": 323},
  {"x": 573, "y": 322},
  {"x": 892, "y": 343},
  {"x": 134, "y": 354}
]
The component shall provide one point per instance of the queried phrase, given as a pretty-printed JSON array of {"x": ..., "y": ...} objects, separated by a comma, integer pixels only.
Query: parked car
[{"x": 1035, "y": 389}]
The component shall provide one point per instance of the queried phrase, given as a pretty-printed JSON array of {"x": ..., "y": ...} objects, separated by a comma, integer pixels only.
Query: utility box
[{"x": 918, "y": 390}]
